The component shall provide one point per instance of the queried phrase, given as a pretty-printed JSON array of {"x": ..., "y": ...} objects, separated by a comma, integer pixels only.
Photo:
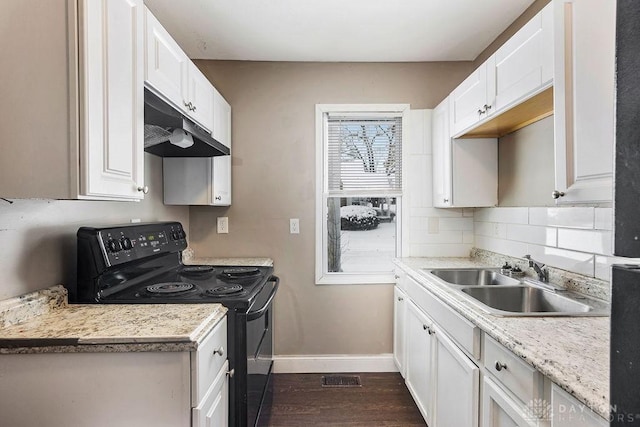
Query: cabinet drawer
[
  {"x": 521, "y": 379},
  {"x": 207, "y": 361},
  {"x": 214, "y": 408},
  {"x": 465, "y": 333}
]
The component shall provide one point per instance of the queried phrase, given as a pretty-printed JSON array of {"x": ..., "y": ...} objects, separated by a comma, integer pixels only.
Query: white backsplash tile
[
  {"x": 546, "y": 236},
  {"x": 503, "y": 215},
  {"x": 441, "y": 250},
  {"x": 604, "y": 263},
  {"x": 437, "y": 238},
  {"x": 464, "y": 224},
  {"x": 596, "y": 242},
  {"x": 572, "y": 217},
  {"x": 604, "y": 218},
  {"x": 467, "y": 237},
  {"x": 491, "y": 229},
  {"x": 501, "y": 246},
  {"x": 577, "y": 262}
]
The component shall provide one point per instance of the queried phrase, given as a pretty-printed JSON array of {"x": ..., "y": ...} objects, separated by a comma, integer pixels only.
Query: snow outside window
[{"x": 359, "y": 149}]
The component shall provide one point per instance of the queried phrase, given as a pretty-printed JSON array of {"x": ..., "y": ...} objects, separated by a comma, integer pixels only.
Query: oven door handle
[{"x": 253, "y": 315}]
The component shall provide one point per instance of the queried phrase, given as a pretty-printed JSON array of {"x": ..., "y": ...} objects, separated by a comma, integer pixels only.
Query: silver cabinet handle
[
  {"x": 186, "y": 104},
  {"x": 500, "y": 366},
  {"x": 144, "y": 189},
  {"x": 486, "y": 107},
  {"x": 231, "y": 373},
  {"x": 481, "y": 112},
  {"x": 193, "y": 108},
  {"x": 446, "y": 200},
  {"x": 218, "y": 197},
  {"x": 431, "y": 331},
  {"x": 557, "y": 194},
  {"x": 425, "y": 327},
  {"x": 219, "y": 351},
  {"x": 400, "y": 299}
]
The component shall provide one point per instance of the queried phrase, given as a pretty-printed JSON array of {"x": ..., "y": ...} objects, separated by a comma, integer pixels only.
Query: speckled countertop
[
  {"x": 43, "y": 322},
  {"x": 189, "y": 258},
  {"x": 571, "y": 351}
]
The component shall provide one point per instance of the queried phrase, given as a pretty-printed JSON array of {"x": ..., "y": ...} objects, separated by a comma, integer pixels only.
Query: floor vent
[{"x": 341, "y": 381}]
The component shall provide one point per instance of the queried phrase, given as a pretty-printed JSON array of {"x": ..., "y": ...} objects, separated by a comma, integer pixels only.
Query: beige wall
[
  {"x": 274, "y": 180},
  {"x": 526, "y": 166},
  {"x": 38, "y": 236}
]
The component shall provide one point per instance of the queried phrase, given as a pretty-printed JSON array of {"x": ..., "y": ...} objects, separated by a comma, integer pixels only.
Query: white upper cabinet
[
  {"x": 171, "y": 74},
  {"x": 112, "y": 103},
  {"x": 200, "y": 97},
  {"x": 166, "y": 65},
  {"x": 584, "y": 100},
  {"x": 74, "y": 130},
  {"x": 221, "y": 119},
  {"x": 465, "y": 171},
  {"x": 524, "y": 64},
  {"x": 508, "y": 91},
  {"x": 472, "y": 100},
  {"x": 441, "y": 150}
]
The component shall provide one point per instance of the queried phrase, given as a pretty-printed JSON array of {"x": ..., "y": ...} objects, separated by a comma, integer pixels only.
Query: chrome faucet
[{"x": 543, "y": 273}]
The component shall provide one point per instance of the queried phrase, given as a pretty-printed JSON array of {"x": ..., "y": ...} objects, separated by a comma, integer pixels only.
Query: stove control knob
[
  {"x": 114, "y": 246},
  {"x": 126, "y": 243}
]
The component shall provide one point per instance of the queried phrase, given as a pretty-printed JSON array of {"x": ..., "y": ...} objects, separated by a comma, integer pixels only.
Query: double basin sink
[{"x": 507, "y": 296}]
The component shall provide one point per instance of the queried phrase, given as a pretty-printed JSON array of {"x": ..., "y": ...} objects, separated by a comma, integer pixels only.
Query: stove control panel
[{"x": 127, "y": 243}]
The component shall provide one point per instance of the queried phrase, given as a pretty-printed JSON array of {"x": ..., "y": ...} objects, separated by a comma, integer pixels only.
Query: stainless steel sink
[
  {"x": 526, "y": 299},
  {"x": 473, "y": 277},
  {"x": 501, "y": 295}
]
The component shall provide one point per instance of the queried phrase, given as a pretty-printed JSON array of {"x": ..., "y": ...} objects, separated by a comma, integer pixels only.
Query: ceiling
[{"x": 336, "y": 30}]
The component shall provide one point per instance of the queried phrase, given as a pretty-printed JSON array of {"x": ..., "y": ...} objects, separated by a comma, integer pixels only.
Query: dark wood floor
[{"x": 300, "y": 400}]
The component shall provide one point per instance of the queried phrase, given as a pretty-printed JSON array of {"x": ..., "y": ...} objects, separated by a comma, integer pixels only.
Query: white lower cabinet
[
  {"x": 457, "y": 385},
  {"x": 568, "y": 412},
  {"x": 501, "y": 410},
  {"x": 441, "y": 377},
  {"x": 399, "y": 321},
  {"x": 420, "y": 360},
  {"x": 125, "y": 389}
]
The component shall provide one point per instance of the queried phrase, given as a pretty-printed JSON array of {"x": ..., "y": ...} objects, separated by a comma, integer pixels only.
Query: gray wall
[
  {"x": 38, "y": 236},
  {"x": 274, "y": 180}
]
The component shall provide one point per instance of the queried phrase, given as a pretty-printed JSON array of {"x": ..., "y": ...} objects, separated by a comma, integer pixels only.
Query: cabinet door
[
  {"x": 441, "y": 140},
  {"x": 399, "y": 329},
  {"x": 200, "y": 97},
  {"x": 221, "y": 181},
  {"x": 524, "y": 64},
  {"x": 568, "y": 412},
  {"x": 584, "y": 45},
  {"x": 457, "y": 385},
  {"x": 213, "y": 410},
  {"x": 470, "y": 102},
  {"x": 112, "y": 99},
  {"x": 166, "y": 65},
  {"x": 419, "y": 357},
  {"x": 221, "y": 119},
  {"x": 500, "y": 410}
]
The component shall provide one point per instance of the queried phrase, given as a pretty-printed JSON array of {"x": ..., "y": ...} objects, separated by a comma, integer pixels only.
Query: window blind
[{"x": 364, "y": 154}]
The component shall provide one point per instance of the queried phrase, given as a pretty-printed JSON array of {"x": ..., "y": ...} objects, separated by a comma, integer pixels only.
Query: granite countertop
[
  {"x": 189, "y": 258},
  {"x": 43, "y": 322},
  {"x": 571, "y": 351}
]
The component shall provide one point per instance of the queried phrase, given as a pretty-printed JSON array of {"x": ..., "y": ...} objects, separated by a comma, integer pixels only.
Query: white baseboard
[{"x": 333, "y": 363}]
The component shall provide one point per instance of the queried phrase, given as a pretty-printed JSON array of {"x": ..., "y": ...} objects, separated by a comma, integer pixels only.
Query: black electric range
[{"x": 142, "y": 264}]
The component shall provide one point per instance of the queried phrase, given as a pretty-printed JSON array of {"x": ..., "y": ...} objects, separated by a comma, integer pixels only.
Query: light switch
[
  {"x": 223, "y": 225},
  {"x": 294, "y": 226}
]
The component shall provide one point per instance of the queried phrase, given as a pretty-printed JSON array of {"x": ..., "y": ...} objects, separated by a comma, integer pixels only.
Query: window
[{"x": 359, "y": 192}]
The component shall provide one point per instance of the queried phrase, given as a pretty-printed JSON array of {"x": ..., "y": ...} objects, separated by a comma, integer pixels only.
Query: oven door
[{"x": 260, "y": 350}]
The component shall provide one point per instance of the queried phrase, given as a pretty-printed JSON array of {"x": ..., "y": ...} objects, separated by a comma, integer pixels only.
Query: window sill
[{"x": 356, "y": 279}]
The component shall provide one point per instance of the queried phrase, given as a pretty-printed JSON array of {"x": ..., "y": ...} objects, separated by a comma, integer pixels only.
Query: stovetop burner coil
[
  {"x": 225, "y": 290},
  {"x": 196, "y": 269},
  {"x": 240, "y": 272},
  {"x": 169, "y": 288}
]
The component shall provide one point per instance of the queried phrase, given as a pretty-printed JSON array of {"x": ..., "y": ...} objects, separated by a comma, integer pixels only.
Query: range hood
[{"x": 169, "y": 133}]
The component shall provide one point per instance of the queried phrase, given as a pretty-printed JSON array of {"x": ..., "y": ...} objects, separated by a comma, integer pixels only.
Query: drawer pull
[
  {"x": 219, "y": 351},
  {"x": 500, "y": 366},
  {"x": 231, "y": 373}
]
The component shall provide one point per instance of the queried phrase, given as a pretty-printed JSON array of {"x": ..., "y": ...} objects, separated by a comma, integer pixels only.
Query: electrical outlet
[
  {"x": 294, "y": 226},
  {"x": 223, "y": 224}
]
